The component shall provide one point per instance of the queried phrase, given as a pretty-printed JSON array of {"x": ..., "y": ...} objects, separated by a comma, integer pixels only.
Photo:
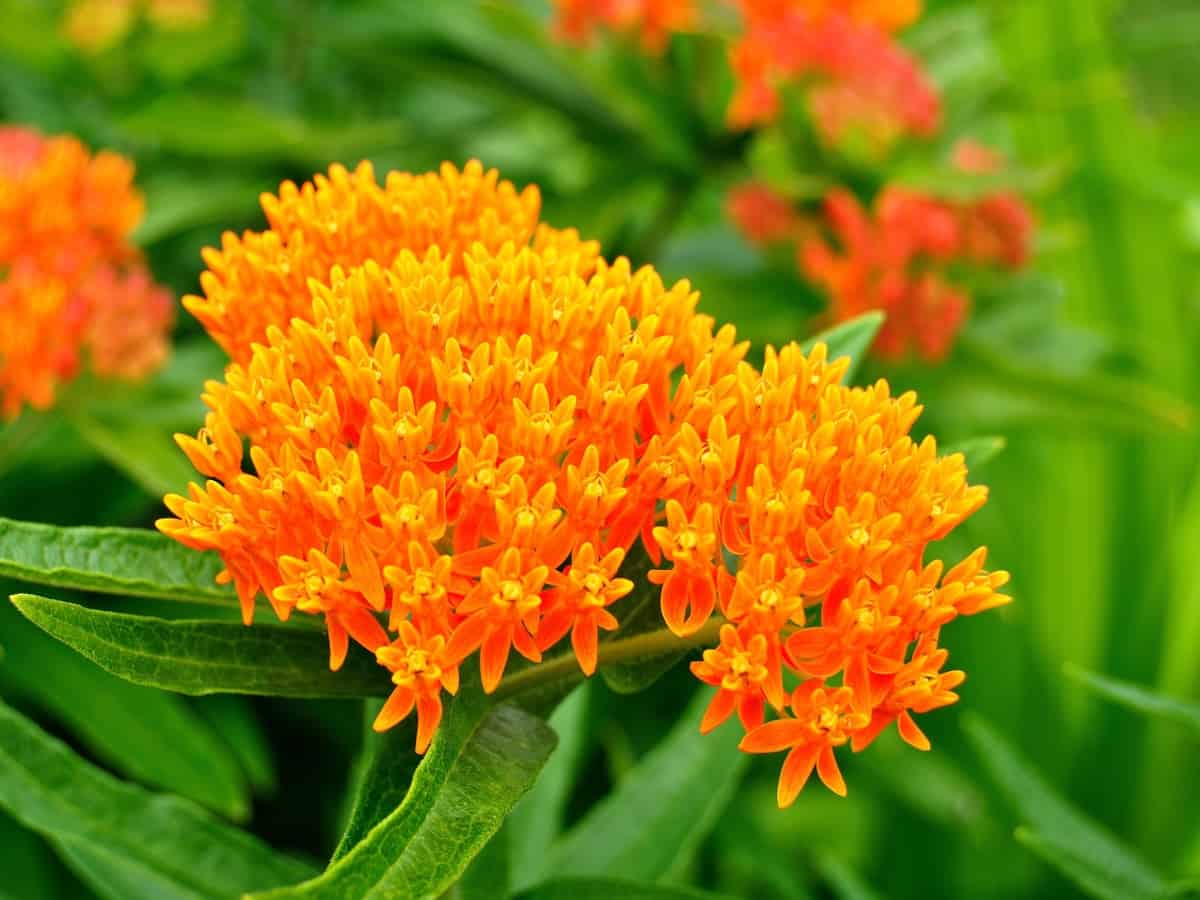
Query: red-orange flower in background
[
  {"x": 472, "y": 422},
  {"x": 860, "y": 80},
  {"x": 73, "y": 289}
]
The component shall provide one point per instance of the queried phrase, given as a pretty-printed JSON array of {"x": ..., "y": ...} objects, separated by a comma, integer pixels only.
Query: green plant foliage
[
  {"x": 122, "y": 724},
  {"x": 205, "y": 657},
  {"x": 129, "y": 561},
  {"x": 539, "y": 817},
  {"x": 121, "y": 835},
  {"x": 1139, "y": 699},
  {"x": 606, "y": 888},
  {"x": 652, "y": 823},
  {"x": 852, "y": 339},
  {"x": 483, "y": 759},
  {"x": 1083, "y": 850}
]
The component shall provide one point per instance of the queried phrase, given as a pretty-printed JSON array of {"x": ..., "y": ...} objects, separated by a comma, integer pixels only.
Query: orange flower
[
  {"x": 890, "y": 259},
  {"x": 739, "y": 670},
  {"x": 73, "y": 291},
  {"x": 421, "y": 669},
  {"x": 550, "y": 412},
  {"x": 656, "y": 20},
  {"x": 865, "y": 83},
  {"x": 822, "y": 718}
]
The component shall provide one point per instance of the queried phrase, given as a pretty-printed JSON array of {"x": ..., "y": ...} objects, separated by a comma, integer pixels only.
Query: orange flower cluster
[
  {"x": 894, "y": 259},
  {"x": 862, "y": 81},
  {"x": 456, "y": 444},
  {"x": 654, "y": 20},
  {"x": 96, "y": 25},
  {"x": 72, "y": 286}
]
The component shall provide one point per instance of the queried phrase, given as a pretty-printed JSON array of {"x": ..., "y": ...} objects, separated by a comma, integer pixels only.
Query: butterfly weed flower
[
  {"x": 896, "y": 256},
  {"x": 457, "y": 447},
  {"x": 74, "y": 292}
]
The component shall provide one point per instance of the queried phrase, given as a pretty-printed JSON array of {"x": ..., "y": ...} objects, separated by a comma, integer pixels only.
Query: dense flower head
[
  {"x": 73, "y": 290},
  {"x": 455, "y": 449}
]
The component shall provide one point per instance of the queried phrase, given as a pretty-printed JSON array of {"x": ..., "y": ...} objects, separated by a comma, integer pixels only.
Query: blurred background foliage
[{"x": 1095, "y": 505}]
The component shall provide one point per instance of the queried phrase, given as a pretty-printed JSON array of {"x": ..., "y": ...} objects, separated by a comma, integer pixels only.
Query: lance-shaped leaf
[
  {"x": 538, "y": 819},
  {"x": 852, "y": 338},
  {"x": 1137, "y": 698},
  {"x": 146, "y": 454},
  {"x": 1063, "y": 836},
  {"x": 651, "y": 824},
  {"x": 483, "y": 759},
  {"x": 201, "y": 657},
  {"x": 609, "y": 888},
  {"x": 130, "y": 561},
  {"x": 121, "y": 724},
  {"x": 123, "y": 832},
  {"x": 978, "y": 450}
]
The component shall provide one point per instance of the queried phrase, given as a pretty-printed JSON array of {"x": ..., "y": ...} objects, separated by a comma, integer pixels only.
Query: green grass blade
[
  {"x": 1064, "y": 836},
  {"x": 649, "y": 827},
  {"x": 1138, "y": 698}
]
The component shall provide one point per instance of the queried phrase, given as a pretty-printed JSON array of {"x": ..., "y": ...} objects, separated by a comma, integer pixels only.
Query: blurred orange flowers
[
  {"x": 73, "y": 289},
  {"x": 862, "y": 83},
  {"x": 473, "y": 420}
]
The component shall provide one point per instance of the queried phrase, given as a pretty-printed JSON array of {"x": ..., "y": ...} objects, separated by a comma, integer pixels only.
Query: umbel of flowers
[
  {"x": 73, "y": 289},
  {"x": 860, "y": 82},
  {"x": 462, "y": 422},
  {"x": 899, "y": 255}
]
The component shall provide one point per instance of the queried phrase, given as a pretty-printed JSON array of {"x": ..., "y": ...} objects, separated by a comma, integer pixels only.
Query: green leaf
[
  {"x": 233, "y": 718},
  {"x": 129, "y": 561},
  {"x": 123, "y": 725},
  {"x": 1094, "y": 873},
  {"x": 1072, "y": 842},
  {"x": 845, "y": 883},
  {"x": 649, "y": 827},
  {"x": 128, "y": 833},
  {"x": 852, "y": 338},
  {"x": 538, "y": 819},
  {"x": 146, "y": 454},
  {"x": 489, "y": 876},
  {"x": 201, "y": 657},
  {"x": 217, "y": 127},
  {"x": 391, "y": 763},
  {"x": 610, "y": 889},
  {"x": 1138, "y": 699},
  {"x": 173, "y": 204},
  {"x": 480, "y": 763},
  {"x": 978, "y": 450}
]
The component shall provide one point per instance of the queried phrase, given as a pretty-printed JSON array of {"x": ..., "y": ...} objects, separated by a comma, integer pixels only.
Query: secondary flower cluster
[
  {"x": 472, "y": 421},
  {"x": 72, "y": 287},
  {"x": 896, "y": 256},
  {"x": 860, "y": 82}
]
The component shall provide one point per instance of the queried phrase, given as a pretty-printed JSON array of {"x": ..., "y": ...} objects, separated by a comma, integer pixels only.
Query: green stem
[{"x": 650, "y": 643}]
